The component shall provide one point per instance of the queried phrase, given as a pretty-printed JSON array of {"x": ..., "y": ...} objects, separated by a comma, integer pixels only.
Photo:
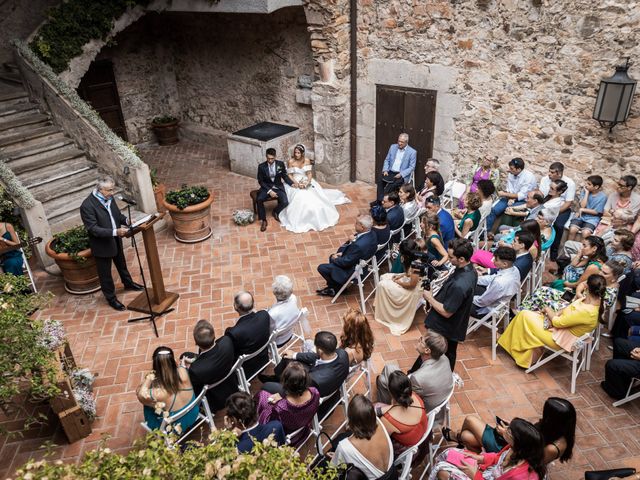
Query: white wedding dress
[{"x": 311, "y": 208}]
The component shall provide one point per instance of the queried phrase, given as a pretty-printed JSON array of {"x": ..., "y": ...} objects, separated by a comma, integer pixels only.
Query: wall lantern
[{"x": 615, "y": 96}]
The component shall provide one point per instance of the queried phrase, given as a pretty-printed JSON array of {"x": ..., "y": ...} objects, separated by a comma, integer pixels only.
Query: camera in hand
[{"x": 424, "y": 268}]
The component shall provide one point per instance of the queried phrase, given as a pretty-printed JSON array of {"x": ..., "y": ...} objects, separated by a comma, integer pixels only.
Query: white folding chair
[
  {"x": 168, "y": 423},
  {"x": 635, "y": 382},
  {"x": 611, "y": 318},
  {"x": 491, "y": 320},
  {"x": 580, "y": 357},
  {"x": 234, "y": 370},
  {"x": 357, "y": 372},
  {"x": 361, "y": 272},
  {"x": 524, "y": 291},
  {"x": 301, "y": 325},
  {"x": 343, "y": 399},
  {"x": 25, "y": 266},
  {"x": 414, "y": 221},
  {"x": 244, "y": 380},
  {"x": 538, "y": 270},
  {"x": 476, "y": 235},
  {"x": 377, "y": 262},
  {"x": 405, "y": 459},
  {"x": 453, "y": 190}
]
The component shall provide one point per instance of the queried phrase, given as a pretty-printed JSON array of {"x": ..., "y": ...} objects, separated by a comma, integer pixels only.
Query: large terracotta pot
[
  {"x": 193, "y": 224},
  {"x": 159, "y": 191},
  {"x": 79, "y": 277},
  {"x": 166, "y": 133}
]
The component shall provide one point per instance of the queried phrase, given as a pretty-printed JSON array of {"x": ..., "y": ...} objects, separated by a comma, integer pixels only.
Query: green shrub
[
  {"x": 152, "y": 459},
  {"x": 187, "y": 196},
  {"x": 71, "y": 242},
  {"x": 72, "y": 24},
  {"x": 163, "y": 120}
]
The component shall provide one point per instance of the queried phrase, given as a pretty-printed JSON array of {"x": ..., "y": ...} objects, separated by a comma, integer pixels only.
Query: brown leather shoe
[{"x": 263, "y": 225}]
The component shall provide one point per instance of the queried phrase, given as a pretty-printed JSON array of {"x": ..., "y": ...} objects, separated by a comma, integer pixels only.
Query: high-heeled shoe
[{"x": 446, "y": 434}]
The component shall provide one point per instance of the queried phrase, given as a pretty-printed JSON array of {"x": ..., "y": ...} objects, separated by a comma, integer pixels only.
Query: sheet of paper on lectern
[{"x": 144, "y": 219}]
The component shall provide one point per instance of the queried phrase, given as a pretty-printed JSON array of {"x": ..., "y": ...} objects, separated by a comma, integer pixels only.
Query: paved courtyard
[{"x": 207, "y": 274}]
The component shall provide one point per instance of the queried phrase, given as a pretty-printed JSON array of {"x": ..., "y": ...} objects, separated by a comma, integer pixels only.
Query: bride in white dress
[{"x": 311, "y": 207}]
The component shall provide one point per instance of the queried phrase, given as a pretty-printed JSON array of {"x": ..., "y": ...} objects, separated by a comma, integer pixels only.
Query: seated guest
[
  {"x": 486, "y": 190},
  {"x": 521, "y": 459},
  {"x": 296, "y": 407},
  {"x": 529, "y": 331},
  {"x": 285, "y": 312},
  {"x": 436, "y": 250},
  {"x": 471, "y": 219},
  {"x": 606, "y": 230},
  {"x": 431, "y": 377},
  {"x": 493, "y": 289},
  {"x": 587, "y": 262},
  {"x": 213, "y": 363},
  {"x": 395, "y": 214},
  {"x": 433, "y": 186},
  {"x": 397, "y": 297},
  {"x": 362, "y": 246},
  {"x": 624, "y": 197},
  {"x": 407, "y": 194},
  {"x": 398, "y": 167},
  {"x": 619, "y": 249},
  {"x": 432, "y": 165},
  {"x": 250, "y": 333},
  {"x": 357, "y": 337},
  {"x": 565, "y": 188},
  {"x": 545, "y": 219},
  {"x": 515, "y": 215},
  {"x": 524, "y": 261},
  {"x": 519, "y": 183},
  {"x": 592, "y": 202},
  {"x": 557, "y": 426},
  {"x": 368, "y": 448},
  {"x": 484, "y": 258},
  {"x": 166, "y": 389},
  {"x": 485, "y": 170},
  {"x": 554, "y": 298},
  {"x": 12, "y": 260},
  {"x": 624, "y": 366},
  {"x": 406, "y": 251},
  {"x": 447, "y": 228},
  {"x": 242, "y": 419},
  {"x": 328, "y": 367},
  {"x": 380, "y": 227},
  {"x": 405, "y": 419}
]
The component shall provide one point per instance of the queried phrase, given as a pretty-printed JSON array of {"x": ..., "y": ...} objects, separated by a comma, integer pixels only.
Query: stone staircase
[{"x": 43, "y": 157}]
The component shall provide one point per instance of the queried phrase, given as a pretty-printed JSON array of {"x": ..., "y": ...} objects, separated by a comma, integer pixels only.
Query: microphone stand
[{"x": 152, "y": 315}]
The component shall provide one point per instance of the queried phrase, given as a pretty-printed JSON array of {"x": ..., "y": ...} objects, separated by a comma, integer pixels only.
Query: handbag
[{"x": 607, "y": 474}]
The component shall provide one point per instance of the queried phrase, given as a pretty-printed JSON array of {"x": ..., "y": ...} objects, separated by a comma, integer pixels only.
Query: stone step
[
  {"x": 33, "y": 137},
  {"x": 10, "y": 98},
  {"x": 17, "y": 108},
  {"x": 40, "y": 149},
  {"x": 44, "y": 159},
  {"x": 6, "y": 126},
  {"x": 66, "y": 205},
  {"x": 52, "y": 173},
  {"x": 83, "y": 177},
  {"x": 24, "y": 129},
  {"x": 10, "y": 66},
  {"x": 10, "y": 77}
]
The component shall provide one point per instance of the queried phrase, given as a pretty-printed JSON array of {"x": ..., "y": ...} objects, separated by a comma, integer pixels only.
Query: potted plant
[
  {"x": 165, "y": 128},
  {"x": 159, "y": 190},
  {"x": 71, "y": 252},
  {"x": 190, "y": 208}
]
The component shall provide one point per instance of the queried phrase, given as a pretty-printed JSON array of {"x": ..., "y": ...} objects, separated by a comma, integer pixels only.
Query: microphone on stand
[{"x": 127, "y": 200}]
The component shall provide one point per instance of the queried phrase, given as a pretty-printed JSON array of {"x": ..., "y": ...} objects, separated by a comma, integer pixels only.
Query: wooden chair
[{"x": 254, "y": 200}]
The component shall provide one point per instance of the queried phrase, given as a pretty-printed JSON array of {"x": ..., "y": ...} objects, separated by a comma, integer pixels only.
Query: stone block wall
[
  {"x": 222, "y": 71},
  {"x": 524, "y": 75}
]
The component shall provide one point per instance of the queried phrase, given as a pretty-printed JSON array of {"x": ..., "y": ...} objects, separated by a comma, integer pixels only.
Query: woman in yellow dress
[{"x": 529, "y": 330}]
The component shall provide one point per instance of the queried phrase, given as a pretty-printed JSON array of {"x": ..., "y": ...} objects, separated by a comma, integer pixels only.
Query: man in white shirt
[
  {"x": 398, "y": 167},
  {"x": 285, "y": 312},
  {"x": 519, "y": 183},
  {"x": 492, "y": 289},
  {"x": 556, "y": 172}
]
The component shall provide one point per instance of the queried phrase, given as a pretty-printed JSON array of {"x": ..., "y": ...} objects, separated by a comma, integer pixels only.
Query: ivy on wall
[{"x": 72, "y": 24}]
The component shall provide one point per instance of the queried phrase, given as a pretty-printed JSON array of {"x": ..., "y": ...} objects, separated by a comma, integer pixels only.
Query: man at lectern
[{"x": 103, "y": 220}]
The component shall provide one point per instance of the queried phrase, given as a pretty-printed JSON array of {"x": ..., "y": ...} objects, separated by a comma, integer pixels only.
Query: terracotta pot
[
  {"x": 79, "y": 278},
  {"x": 166, "y": 133},
  {"x": 193, "y": 224},
  {"x": 159, "y": 192}
]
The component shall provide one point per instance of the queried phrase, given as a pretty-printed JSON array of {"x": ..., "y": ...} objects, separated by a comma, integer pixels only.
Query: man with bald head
[{"x": 250, "y": 332}]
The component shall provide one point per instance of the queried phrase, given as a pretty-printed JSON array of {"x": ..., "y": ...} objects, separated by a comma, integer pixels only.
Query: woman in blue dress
[
  {"x": 12, "y": 260},
  {"x": 166, "y": 391}
]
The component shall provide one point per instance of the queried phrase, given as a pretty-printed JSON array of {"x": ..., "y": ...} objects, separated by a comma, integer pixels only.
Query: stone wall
[
  {"x": 18, "y": 19},
  {"x": 223, "y": 71},
  {"x": 526, "y": 76}
]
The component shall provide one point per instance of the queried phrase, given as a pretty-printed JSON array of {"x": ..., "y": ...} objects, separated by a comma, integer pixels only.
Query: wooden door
[
  {"x": 98, "y": 88},
  {"x": 405, "y": 110}
]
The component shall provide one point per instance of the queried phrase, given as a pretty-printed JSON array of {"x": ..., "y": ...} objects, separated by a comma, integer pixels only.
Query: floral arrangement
[
  {"x": 82, "y": 380},
  {"x": 152, "y": 458},
  {"x": 14, "y": 187},
  {"x": 118, "y": 145},
  {"x": 243, "y": 217},
  {"x": 52, "y": 335},
  {"x": 187, "y": 196}
]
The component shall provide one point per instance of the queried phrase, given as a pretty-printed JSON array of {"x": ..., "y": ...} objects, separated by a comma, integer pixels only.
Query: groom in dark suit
[
  {"x": 270, "y": 176},
  {"x": 341, "y": 264},
  {"x": 103, "y": 220}
]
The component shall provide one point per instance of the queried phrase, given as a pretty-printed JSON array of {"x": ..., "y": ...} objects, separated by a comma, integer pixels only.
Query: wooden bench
[{"x": 254, "y": 200}]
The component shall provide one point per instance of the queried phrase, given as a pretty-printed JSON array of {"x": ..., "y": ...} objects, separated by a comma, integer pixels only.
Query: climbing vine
[{"x": 72, "y": 24}]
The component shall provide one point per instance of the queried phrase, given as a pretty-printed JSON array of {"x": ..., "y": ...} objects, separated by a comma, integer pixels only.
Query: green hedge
[{"x": 72, "y": 24}]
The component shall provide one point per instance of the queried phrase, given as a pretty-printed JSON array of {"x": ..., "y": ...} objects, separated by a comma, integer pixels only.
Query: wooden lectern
[{"x": 160, "y": 299}]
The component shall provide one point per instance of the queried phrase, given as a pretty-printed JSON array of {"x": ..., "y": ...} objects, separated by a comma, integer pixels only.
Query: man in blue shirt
[
  {"x": 447, "y": 228},
  {"x": 398, "y": 166}
]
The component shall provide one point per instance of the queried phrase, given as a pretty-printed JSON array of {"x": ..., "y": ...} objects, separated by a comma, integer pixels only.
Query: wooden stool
[{"x": 254, "y": 200}]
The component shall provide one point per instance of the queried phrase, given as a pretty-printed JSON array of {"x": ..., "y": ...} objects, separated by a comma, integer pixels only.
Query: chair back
[
  {"x": 245, "y": 358},
  {"x": 405, "y": 459}
]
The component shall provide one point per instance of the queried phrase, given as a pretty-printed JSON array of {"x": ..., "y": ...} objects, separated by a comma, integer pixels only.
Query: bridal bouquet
[{"x": 243, "y": 217}]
